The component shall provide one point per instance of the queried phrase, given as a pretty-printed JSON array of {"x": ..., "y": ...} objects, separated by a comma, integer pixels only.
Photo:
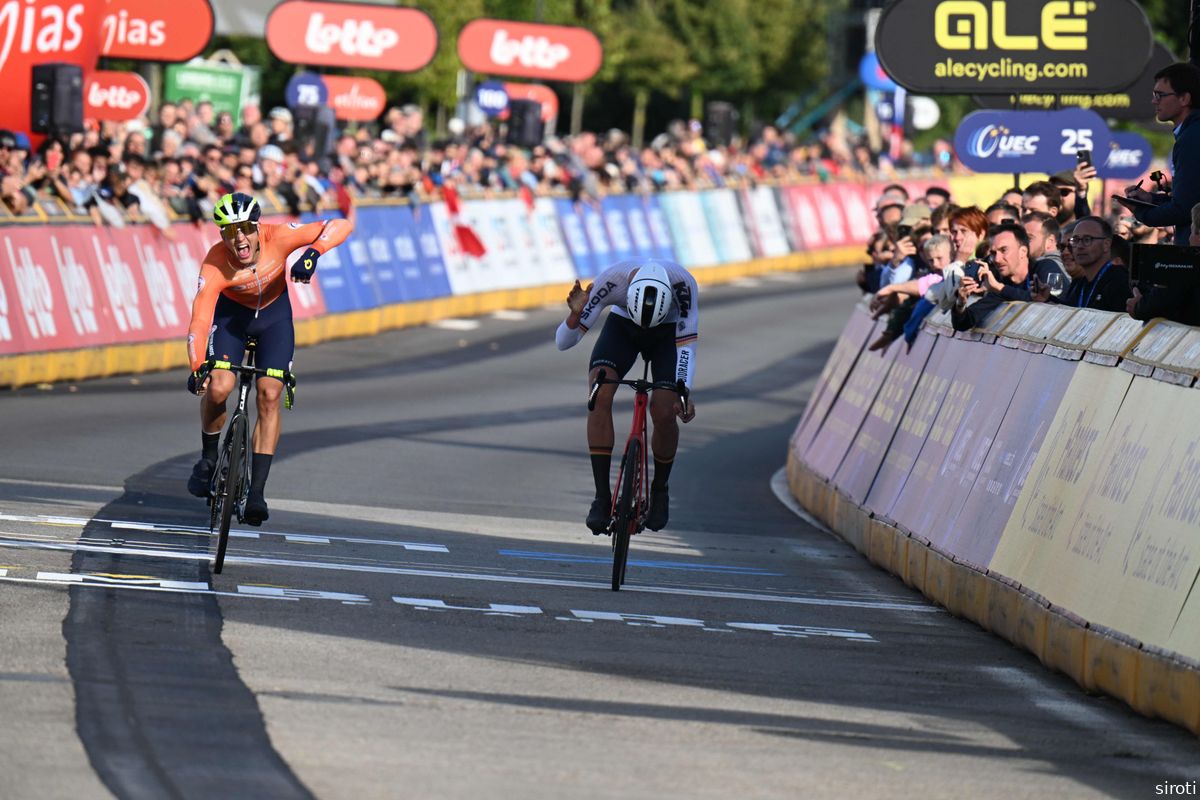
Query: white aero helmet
[{"x": 649, "y": 297}]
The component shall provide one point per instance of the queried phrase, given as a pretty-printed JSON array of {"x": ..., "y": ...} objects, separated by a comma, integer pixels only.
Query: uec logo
[{"x": 993, "y": 140}]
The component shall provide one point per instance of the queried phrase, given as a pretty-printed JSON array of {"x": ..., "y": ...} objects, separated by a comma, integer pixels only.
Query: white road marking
[
  {"x": 430, "y": 604},
  {"x": 454, "y": 324},
  {"x": 62, "y": 485},
  {"x": 510, "y": 315},
  {"x": 299, "y": 538}
]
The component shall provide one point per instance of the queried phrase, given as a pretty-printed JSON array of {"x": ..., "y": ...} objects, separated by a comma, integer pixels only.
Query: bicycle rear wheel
[
  {"x": 624, "y": 520},
  {"x": 229, "y": 484}
]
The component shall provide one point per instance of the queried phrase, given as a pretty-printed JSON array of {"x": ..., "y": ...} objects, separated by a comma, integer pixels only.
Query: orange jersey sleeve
[
  {"x": 323, "y": 235},
  {"x": 212, "y": 281}
]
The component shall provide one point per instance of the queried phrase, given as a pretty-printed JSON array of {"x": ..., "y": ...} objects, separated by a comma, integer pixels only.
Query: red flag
[
  {"x": 526, "y": 195},
  {"x": 468, "y": 241}
]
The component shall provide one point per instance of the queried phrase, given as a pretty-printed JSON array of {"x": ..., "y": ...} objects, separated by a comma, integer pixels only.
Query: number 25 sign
[{"x": 1029, "y": 141}]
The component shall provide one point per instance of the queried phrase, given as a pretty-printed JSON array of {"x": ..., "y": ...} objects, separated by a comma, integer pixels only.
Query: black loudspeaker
[
  {"x": 315, "y": 126},
  {"x": 525, "y": 126},
  {"x": 56, "y": 104},
  {"x": 720, "y": 123}
]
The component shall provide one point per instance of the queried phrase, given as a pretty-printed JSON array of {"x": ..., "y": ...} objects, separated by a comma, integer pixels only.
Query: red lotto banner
[{"x": 79, "y": 286}]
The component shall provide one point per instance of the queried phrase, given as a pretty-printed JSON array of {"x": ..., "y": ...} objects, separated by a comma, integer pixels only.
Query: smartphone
[
  {"x": 1083, "y": 157},
  {"x": 53, "y": 159}
]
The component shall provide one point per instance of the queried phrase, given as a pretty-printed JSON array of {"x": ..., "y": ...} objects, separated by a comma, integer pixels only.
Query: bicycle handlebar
[
  {"x": 639, "y": 386},
  {"x": 286, "y": 377}
]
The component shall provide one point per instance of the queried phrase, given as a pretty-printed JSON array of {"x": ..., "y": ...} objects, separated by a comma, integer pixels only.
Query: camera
[
  {"x": 1167, "y": 265},
  {"x": 903, "y": 231}
]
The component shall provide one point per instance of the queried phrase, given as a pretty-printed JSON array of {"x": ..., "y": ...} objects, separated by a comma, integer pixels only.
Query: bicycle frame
[{"x": 641, "y": 402}]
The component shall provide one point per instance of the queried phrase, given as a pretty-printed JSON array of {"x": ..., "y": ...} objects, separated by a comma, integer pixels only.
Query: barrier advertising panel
[
  {"x": 1061, "y": 473},
  {"x": 762, "y": 211},
  {"x": 664, "y": 245},
  {"x": 689, "y": 229},
  {"x": 848, "y": 411},
  {"x": 576, "y": 238},
  {"x": 861, "y": 464},
  {"x": 990, "y": 503},
  {"x": 435, "y": 280},
  {"x": 619, "y": 234},
  {"x": 1125, "y": 554},
  {"x": 725, "y": 222},
  {"x": 959, "y": 439},
  {"x": 833, "y": 376},
  {"x": 371, "y": 228},
  {"x": 597, "y": 235},
  {"x": 807, "y": 231}
]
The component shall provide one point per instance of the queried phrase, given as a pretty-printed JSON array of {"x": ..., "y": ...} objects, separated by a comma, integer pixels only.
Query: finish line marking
[{"x": 668, "y": 565}]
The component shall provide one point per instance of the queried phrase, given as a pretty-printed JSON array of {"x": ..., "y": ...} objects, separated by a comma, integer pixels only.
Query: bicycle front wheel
[
  {"x": 229, "y": 484},
  {"x": 625, "y": 518}
]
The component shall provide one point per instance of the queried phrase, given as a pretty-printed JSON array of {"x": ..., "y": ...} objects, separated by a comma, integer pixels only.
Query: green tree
[{"x": 647, "y": 57}]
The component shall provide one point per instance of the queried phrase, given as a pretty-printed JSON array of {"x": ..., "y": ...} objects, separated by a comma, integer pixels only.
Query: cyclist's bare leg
[
  {"x": 600, "y": 421},
  {"x": 221, "y": 383},
  {"x": 266, "y": 431},
  {"x": 665, "y": 438}
]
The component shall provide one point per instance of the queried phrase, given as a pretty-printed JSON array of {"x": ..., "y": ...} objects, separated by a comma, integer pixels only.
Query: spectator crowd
[
  {"x": 1040, "y": 242},
  {"x": 178, "y": 164}
]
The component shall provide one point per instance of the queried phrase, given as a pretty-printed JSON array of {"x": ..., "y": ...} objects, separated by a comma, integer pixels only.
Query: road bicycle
[
  {"x": 631, "y": 495},
  {"x": 231, "y": 478}
]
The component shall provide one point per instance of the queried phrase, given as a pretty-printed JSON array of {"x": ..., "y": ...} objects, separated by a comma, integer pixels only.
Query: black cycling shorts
[
  {"x": 273, "y": 329},
  {"x": 621, "y": 341}
]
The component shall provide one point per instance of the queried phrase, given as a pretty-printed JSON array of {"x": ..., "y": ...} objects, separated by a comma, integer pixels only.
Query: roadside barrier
[{"x": 1040, "y": 476}]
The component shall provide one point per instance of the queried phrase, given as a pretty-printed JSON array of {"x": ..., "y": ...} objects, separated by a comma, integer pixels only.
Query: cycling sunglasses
[{"x": 231, "y": 231}]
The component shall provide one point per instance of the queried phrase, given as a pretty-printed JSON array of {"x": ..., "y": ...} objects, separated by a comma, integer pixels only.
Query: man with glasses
[
  {"x": 1102, "y": 284},
  {"x": 1176, "y": 93},
  {"x": 242, "y": 293}
]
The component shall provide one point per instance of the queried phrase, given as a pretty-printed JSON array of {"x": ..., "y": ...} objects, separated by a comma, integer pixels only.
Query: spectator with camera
[
  {"x": 1176, "y": 99},
  {"x": 1101, "y": 284},
  {"x": 1172, "y": 304},
  {"x": 1006, "y": 275}
]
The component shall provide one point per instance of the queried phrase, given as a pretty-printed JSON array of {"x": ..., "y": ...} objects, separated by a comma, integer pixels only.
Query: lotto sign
[
  {"x": 530, "y": 50},
  {"x": 351, "y": 35},
  {"x": 491, "y": 97},
  {"x": 115, "y": 96},
  {"x": 153, "y": 30},
  {"x": 1007, "y": 46},
  {"x": 1029, "y": 141}
]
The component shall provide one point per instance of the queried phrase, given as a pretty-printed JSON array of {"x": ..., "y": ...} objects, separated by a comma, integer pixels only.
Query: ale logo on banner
[
  {"x": 530, "y": 50},
  {"x": 1013, "y": 46},
  {"x": 351, "y": 35},
  {"x": 153, "y": 30}
]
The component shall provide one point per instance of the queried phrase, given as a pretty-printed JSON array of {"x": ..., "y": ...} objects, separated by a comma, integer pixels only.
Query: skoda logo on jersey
[{"x": 998, "y": 141}]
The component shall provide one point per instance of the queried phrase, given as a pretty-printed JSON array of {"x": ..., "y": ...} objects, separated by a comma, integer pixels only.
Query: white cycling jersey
[{"x": 609, "y": 289}]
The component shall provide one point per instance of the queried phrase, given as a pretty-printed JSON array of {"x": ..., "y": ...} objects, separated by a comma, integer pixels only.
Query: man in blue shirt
[{"x": 1176, "y": 96}]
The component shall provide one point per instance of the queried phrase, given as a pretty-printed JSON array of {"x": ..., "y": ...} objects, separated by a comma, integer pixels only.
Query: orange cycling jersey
[{"x": 259, "y": 285}]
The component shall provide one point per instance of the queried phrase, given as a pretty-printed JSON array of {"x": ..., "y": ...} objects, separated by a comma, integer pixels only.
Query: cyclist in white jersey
[{"x": 655, "y": 315}]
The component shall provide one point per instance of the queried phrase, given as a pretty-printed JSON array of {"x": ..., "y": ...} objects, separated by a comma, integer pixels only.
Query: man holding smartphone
[{"x": 1176, "y": 93}]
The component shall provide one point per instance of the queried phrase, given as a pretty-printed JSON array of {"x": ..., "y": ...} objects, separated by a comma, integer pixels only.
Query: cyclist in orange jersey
[{"x": 243, "y": 293}]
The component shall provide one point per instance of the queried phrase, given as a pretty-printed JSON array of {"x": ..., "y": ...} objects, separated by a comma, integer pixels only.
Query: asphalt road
[{"x": 425, "y": 615}]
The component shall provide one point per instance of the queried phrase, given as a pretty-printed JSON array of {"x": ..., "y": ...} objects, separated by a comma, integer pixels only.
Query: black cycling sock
[
  {"x": 662, "y": 471},
  {"x": 210, "y": 442},
  {"x": 260, "y": 468},
  {"x": 601, "y": 465}
]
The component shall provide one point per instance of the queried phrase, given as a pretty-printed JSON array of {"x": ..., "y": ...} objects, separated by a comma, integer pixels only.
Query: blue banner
[
  {"x": 1029, "y": 141},
  {"x": 712, "y": 213},
  {"x": 614, "y": 209},
  {"x": 663, "y": 247},
  {"x": 634, "y": 214},
  {"x": 371, "y": 226},
  {"x": 593, "y": 225},
  {"x": 576, "y": 238},
  {"x": 1127, "y": 158},
  {"x": 434, "y": 282},
  {"x": 336, "y": 275}
]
